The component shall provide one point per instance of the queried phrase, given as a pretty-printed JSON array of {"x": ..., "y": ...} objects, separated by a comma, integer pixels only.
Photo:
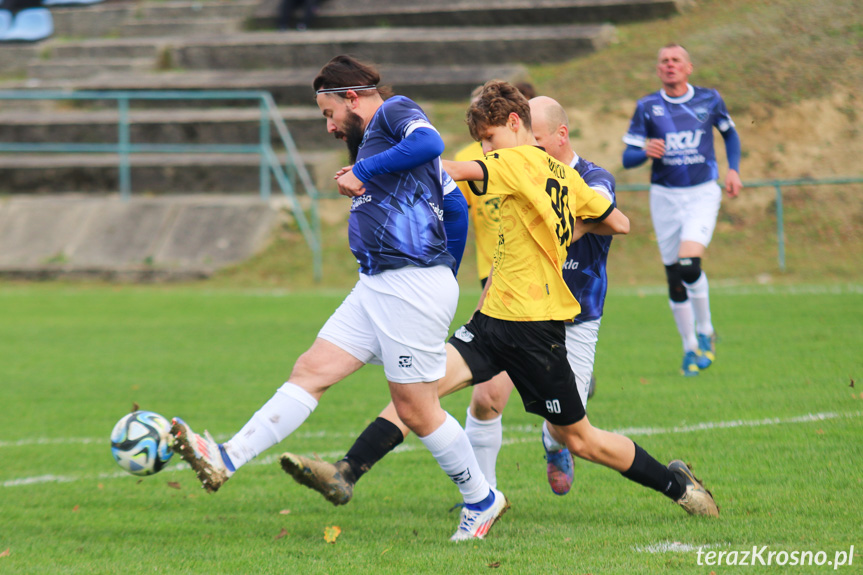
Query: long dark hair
[{"x": 344, "y": 71}]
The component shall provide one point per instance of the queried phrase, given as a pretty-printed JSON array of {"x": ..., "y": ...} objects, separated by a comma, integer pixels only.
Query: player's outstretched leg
[
  {"x": 475, "y": 523},
  {"x": 332, "y": 480},
  {"x": 202, "y": 453},
  {"x": 696, "y": 500}
]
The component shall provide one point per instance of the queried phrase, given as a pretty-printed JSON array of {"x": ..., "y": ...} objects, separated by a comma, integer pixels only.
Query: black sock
[
  {"x": 649, "y": 472},
  {"x": 376, "y": 440}
]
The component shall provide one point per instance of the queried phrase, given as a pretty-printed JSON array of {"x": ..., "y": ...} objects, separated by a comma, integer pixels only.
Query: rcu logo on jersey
[{"x": 682, "y": 141}]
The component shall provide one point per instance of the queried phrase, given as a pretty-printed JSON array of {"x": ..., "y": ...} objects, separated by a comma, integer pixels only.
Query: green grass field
[{"x": 773, "y": 428}]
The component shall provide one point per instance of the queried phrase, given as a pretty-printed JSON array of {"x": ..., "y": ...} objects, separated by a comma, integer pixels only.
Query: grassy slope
[{"x": 788, "y": 70}]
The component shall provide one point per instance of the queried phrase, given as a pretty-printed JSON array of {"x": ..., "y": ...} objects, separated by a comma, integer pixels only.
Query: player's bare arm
[
  {"x": 619, "y": 225},
  {"x": 463, "y": 171}
]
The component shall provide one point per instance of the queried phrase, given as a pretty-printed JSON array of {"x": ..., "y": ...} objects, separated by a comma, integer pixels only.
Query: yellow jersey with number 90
[{"x": 541, "y": 198}]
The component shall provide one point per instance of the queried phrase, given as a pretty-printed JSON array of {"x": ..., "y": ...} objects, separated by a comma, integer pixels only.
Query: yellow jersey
[
  {"x": 484, "y": 215},
  {"x": 540, "y": 199}
]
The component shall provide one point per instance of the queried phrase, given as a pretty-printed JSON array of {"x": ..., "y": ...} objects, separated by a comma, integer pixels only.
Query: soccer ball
[{"x": 141, "y": 442}]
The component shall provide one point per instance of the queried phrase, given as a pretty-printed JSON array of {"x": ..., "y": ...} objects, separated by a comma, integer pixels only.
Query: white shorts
[
  {"x": 683, "y": 215},
  {"x": 581, "y": 341},
  {"x": 398, "y": 319}
]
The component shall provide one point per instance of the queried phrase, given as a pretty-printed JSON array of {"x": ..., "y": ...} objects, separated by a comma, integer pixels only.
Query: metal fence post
[
  {"x": 123, "y": 148},
  {"x": 780, "y": 227},
  {"x": 264, "y": 134}
]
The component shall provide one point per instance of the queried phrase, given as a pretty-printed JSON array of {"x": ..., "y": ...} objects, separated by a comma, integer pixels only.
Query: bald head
[{"x": 551, "y": 128}]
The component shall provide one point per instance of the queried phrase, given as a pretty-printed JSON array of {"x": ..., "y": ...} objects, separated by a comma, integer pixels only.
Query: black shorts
[{"x": 533, "y": 353}]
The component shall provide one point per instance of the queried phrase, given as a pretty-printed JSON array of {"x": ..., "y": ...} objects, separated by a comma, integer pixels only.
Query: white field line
[
  {"x": 529, "y": 433},
  {"x": 674, "y": 547}
]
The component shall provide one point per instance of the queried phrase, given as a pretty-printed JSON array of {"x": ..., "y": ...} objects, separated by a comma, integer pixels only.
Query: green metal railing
[
  {"x": 270, "y": 165},
  {"x": 777, "y": 185}
]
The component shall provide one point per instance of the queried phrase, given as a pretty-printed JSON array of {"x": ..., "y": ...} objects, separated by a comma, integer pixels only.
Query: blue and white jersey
[
  {"x": 398, "y": 221},
  {"x": 686, "y": 124},
  {"x": 584, "y": 269}
]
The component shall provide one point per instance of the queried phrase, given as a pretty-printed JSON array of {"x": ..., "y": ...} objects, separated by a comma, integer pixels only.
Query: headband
[{"x": 337, "y": 90}]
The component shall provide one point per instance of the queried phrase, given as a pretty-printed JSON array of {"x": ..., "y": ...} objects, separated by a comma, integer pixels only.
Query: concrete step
[
  {"x": 188, "y": 27},
  {"x": 233, "y": 9},
  {"x": 152, "y": 174},
  {"x": 392, "y": 46},
  {"x": 98, "y": 48},
  {"x": 190, "y": 126},
  {"x": 389, "y": 46},
  {"x": 439, "y": 13},
  {"x": 92, "y": 21},
  {"x": 293, "y": 86},
  {"x": 14, "y": 57},
  {"x": 58, "y": 68},
  {"x": 143, "y": 239}
]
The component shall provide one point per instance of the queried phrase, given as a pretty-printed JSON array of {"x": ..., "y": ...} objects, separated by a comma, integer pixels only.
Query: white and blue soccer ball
[{"x": 141, "y": 442}]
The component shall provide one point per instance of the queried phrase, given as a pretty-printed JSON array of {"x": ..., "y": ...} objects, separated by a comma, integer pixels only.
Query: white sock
[
  {"x": 699, "y": 294},
  {"x": 548, "y": 441},
  {"x": 685, "y": 320},
  {"x": 451, "y": 448},
  {"x": 277, "y": 419},
  {"x": 486, "y": 438}
]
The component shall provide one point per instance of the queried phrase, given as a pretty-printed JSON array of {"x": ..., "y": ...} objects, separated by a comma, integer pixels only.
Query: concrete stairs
[
  {"x": 471, "y": 13},
  {"x": 427, "y": 51},
  {"x": 434, "y": 50}
]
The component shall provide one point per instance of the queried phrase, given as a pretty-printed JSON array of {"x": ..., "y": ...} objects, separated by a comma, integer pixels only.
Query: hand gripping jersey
[
  {"x": 540, "y": 200},
  {"x": 398, "y": 221},
  {"x": 584, "y": 269},
  {"x": 686, "y": 124}
]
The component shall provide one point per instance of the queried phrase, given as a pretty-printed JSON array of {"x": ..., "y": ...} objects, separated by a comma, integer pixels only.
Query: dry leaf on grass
[
  {"x": 285, "y": 512},
  {"x": 75, "y": 508},
  {"x": 174, "y": 484},
  {"x": 332, "y": 533},
  {"x": 282, "y": 533},
  {"x": 5, "y": 553}
]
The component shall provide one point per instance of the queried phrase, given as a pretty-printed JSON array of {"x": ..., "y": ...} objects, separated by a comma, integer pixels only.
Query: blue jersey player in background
[
  {"x": 400, "y": 309},
  {"x": 674, "y": 128}
]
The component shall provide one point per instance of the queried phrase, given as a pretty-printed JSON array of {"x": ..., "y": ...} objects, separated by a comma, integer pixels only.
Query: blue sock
[
  {"x": 482, "y": 505},
  {"x": 228, "y": 463}
]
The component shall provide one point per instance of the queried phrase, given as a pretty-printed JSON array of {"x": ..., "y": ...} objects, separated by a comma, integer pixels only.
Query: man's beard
[{"x": 353, "y": 135}]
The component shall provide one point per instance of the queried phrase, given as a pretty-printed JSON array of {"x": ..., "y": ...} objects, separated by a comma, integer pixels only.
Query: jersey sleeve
[
  {"x": 722, "y": 119},
  {"x": 590, "y": 205},
  {"x": 602, "y": 182},
  {"x": 497, "y": 173},
  {"x": 401, "y": 116},
  {"x": 637, "y": 133}
]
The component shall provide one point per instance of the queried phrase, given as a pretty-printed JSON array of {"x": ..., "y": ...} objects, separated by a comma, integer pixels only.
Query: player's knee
[
  {"x": 676, "y": 289},
  {"x": 690, "y": 269},
  {"x": 488, "y": 400}
]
